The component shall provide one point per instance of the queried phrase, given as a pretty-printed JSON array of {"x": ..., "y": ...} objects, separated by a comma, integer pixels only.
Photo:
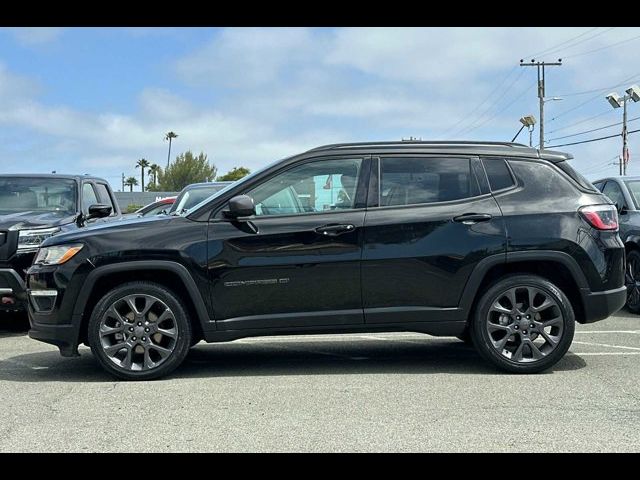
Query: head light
[
  {"x": 57, "y": 254},
  {"x": 31, "y": 239}
]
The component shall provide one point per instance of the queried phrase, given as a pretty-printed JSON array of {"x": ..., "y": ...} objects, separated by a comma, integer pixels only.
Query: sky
[{"x": 95, "y": 100}]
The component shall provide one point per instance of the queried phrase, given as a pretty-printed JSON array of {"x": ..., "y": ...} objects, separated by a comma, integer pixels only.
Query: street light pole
[{"x": 616, "y": 101}]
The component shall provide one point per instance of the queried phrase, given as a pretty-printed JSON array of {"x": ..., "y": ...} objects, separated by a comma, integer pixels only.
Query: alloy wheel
[
  {"x": 138, "y": 332},
  {"x": 524, "y": 324}
]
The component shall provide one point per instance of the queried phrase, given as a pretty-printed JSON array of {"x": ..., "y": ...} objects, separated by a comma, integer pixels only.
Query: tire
[
  {"x": 522, "y": 349},
  {"x": 632, "y": 280},
  {"x": 154, "y": 339}
]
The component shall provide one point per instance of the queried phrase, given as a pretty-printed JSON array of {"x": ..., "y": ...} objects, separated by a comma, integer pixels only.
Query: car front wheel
[
  {"x": 523, "y": 324},
  {"x": 139, "y": 331}
]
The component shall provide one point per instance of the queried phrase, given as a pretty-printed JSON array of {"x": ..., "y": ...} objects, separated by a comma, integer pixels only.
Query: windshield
[
  {"x": 634, "y": 189},
  {"x": 190, "y": 198},
  {"x": 23, "y": 194}
]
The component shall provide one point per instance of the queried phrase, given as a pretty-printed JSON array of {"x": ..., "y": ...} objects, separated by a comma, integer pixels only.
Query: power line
[
  {"x": 472, "y": 126},
  {"x": 609, "y": 111},
  {"x": 593, "y": 130},
  {"x": 518, "y": 97},
  {"x": 603, "y": 48},
  {"x": 586, "y": 141},
  {"x": 475, "y": 109},
  {"x": 632, "y": 77},
  {"x": 557, "y": 47}
]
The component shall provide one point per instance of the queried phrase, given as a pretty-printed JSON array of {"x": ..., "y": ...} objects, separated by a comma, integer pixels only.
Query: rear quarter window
[{"x": 498, "y": 173}]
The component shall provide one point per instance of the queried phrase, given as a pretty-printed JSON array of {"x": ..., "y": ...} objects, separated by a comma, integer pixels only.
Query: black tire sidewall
[
  {"x": 629, "y": 307},
  {"x": 481, "y": 338},
  {"x": 183, "y": 341}
]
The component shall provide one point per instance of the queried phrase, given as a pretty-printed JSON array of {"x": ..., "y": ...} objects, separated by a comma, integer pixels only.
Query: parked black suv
[
  {"x": 497, "y": 243},
  {"x": 624, "y": 192},
  {"x": 35, "y": 207}
]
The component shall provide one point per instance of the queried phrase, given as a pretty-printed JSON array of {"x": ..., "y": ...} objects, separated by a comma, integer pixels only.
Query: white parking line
[
  {"x": 606, "y": 345},
  {"x": 595, "y": 354},
  {"x": 607, "y": 331}
]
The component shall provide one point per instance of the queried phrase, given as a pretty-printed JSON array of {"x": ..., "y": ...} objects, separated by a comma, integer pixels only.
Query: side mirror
[
  {"x": 99, "y": 210},
  {"x": 240, "y": 206}
]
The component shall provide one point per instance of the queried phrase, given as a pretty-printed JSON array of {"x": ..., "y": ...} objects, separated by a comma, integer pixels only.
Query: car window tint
[
  {"x": 409, "y": 181},
  {"x": 88, "y": 196},
  {"x": 312, "y": 187},
  {"x": 612, "y": 190},
  {"x": 105, "y": 198},
  {"x": 498, "y": 173}
]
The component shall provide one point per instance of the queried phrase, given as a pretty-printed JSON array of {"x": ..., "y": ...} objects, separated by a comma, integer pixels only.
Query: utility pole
[
  {"x": 122, "y": 182},
  {"x": 541, "y": 66}
]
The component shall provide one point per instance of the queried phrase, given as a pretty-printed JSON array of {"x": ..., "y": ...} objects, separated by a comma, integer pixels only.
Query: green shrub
[{"x": 132, "y": 208}]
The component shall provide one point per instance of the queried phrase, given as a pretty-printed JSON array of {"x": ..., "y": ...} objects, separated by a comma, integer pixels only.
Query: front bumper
[
  {"x": 600, "y": 305},
  {"x": 13, "y": 291}
]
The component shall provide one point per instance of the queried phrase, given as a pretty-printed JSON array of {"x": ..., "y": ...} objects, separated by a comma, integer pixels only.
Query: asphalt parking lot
[{"x": 374, "y": 392}]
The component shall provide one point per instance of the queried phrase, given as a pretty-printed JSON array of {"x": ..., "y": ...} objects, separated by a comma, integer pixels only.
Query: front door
[
  {"x": 296, "y": 263},
  {"x": 433, "y": 219}
]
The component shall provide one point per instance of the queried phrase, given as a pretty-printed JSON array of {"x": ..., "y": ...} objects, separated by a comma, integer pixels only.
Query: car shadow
[{"x": 274, "y": 358}]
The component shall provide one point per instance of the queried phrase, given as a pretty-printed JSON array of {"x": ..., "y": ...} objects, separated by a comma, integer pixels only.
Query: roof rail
[{"x": 335, "y": 146}]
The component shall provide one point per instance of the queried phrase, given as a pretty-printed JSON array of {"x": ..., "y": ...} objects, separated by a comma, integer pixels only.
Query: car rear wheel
[
  {"x": 632, "y": 280},
  {"x": 139, "y": 331},
  {"x": 523, "y": 324}
]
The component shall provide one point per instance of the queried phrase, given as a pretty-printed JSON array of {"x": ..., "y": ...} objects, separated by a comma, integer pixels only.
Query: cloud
[
  {"x": 34, "y": 36},
  {"x": 247, "y": 57}
]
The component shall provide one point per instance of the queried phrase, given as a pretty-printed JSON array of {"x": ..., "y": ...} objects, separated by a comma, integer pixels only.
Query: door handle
[
  {"x": 334, "y": 230},
  {"x": 471, "y": 218}
]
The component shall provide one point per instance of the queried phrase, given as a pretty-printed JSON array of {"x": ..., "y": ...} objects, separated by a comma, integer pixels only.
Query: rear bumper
[
  {"x": 600, "y": 305},
  {"x": 13, "y": 291}
]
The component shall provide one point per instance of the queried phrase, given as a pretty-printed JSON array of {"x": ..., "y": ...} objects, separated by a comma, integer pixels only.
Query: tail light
[{"x": 601, "y": 217}]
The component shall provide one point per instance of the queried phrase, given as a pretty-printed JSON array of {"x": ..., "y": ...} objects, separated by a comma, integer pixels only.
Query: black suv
[
  {"x": 35, "y": 207},
  {"x": 496, "y": 243}
]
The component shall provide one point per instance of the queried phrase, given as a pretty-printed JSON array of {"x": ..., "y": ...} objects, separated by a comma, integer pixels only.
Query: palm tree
[
  {"x": 131, "y": 182},
  {"x": 142, "y": 163},
  {"x": 153, "y": 171},
  {"x": 170, "y": 136}
]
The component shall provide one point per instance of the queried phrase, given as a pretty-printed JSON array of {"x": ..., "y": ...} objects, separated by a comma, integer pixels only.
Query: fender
[
  {"x": 165, "y": 265},
  {"x": 484, "y": 265}
]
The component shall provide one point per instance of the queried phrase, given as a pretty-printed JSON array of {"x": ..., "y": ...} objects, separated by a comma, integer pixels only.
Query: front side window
[
  {"x": 106, "y": 198},
  {"x": 410, "y": 181},
  {"x": 88, "y": 196},
  {"x": 318, "y": 186}
]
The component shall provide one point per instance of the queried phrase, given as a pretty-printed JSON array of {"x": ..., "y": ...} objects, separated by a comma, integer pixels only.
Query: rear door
[{"x": 432, "y": 219}]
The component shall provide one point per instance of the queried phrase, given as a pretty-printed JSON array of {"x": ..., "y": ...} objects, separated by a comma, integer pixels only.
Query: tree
[
  {"x": 170, "y": 136},
  {"x": 236, "y": 174},
  {"x": 142, "y": 163},
  {"x": 131, "y": 182},
  {"x": 154, "y": 170},
  {"x": 185, "y": 170}
]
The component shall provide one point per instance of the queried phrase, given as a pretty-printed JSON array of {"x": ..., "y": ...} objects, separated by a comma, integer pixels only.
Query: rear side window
[
  {"x": 577, "y": 177},
  {"x": 411, "y": 181},
  {"x": 498, "y": 173}
]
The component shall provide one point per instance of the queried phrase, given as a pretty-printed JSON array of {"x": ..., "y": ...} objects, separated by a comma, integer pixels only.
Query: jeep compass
[{"x": 499, "y": 244}]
